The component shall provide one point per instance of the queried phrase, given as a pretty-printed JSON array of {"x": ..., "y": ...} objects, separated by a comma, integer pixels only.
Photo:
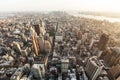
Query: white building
[
  {"x": 64, "y": 65},
  {"x": 47, "y": 46},
  {"x": 59, "y": 37},
  {"x": 38, "y": 71}
]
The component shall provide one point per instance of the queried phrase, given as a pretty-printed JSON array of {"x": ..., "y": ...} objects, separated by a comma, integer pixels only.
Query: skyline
[
  {"x": 62, "y": 5},
  {"x": 59, "y": 40}
]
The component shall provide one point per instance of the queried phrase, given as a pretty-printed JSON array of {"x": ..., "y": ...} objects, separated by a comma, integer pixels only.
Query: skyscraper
[
  {"x": 103, "y": 41},
  {"x": 37, "y": 28},
  {"x": 35, "y": 44},
  {"x": 38, "y": 71},
  {"x": 35, "y": 41},
  {"x": 24, "y": 38},
  {"x": 41, "y": 42},
  {"x": 47, "y": 46},
  {"x": 93, "y": 68},
  {"x": 115, "y": 71}
]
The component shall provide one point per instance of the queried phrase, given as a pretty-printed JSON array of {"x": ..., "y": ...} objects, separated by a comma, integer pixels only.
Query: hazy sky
[{"x": 48, "y": 5}]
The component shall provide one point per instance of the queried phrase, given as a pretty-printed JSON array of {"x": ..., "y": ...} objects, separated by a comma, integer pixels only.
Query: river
[{"x": 102, "y": 18}]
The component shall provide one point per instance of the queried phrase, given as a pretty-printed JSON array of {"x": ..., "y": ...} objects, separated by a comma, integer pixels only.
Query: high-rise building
[
  {"x": 111, "y": 56},
  {"x": 18, "y": 74},
  {"x": 38, "y": 71},
  {"x": 51, "y": 40},
  {"x": 42, "y": 27},
  {"x": 58, "y": 37},
  {"x": 25, "y": 51},
  {"x": 64, "y": 65},
  {"x": 93, "y": 68},
  {"x": 17, "y": 47},
  {"x": 35, "y": 41},
  {"x": 35, "y": 44},
  {"x": 37, "y": 28},
  {"x": 24, "y": 38},
  {"x": 47, "y": 46},
  {"x": 42, "y": 30},
  {"x": 115, "y": 71},
  {"x": 84, "y": 37},
  {"x": 41, "y": 42},
  {"x": 116, "y": 56},
  {"x": 32, "y": 31},
  {"x": 79, "y": 34},
  {"x": 103, "y": 41},
  {"x": 93, "y": 41}
]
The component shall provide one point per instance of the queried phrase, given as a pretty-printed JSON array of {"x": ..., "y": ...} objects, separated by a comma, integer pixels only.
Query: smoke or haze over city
[
  {"x": 59, "y": 39},
  {"x": 48, "y": 5}
]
